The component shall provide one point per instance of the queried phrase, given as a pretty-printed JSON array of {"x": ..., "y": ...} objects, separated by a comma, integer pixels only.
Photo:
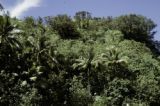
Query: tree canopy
[
  {"x": 135, "y": 27},
  {"x": 59, "y": 60}
]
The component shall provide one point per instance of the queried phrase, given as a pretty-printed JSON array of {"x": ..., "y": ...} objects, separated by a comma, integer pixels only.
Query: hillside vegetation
[{"x": 80, "y": 61}]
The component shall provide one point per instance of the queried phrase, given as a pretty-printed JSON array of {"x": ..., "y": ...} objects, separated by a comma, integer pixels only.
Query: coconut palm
[
  {"x": 42, "y": 50},
  {"x": 85, "y": 63},
  {"x": 7, "y": 34},
  {"x": 115, "y": 61},
  {"x": 1, "y": 7}
]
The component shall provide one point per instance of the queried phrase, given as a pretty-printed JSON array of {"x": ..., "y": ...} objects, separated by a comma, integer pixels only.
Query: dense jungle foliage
[{"x": 80, "y": 61}]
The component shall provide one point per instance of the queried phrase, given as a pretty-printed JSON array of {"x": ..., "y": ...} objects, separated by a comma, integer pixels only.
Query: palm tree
[
  {"x": 85, "y": 63},
  {"x": 38, "y": 41},
  {"x": 115, "y": 61},
  {"x": 7, "y": 34},
  {"x": 1, "y": 7}
]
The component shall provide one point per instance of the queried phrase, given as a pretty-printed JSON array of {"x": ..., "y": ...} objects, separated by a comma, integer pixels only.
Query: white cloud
[{"x": 23, "y": 6}]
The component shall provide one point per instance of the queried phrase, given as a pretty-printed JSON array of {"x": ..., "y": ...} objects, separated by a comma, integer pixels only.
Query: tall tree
[
  {"x": 7, "y": 36},
  {"x": 1, "y": 7},
  {"x": 85, "y": 64},
  {"x": 82, "y": 18},
  {"x": 64, "y": 25},
  {"x": 136, "y": 27}
]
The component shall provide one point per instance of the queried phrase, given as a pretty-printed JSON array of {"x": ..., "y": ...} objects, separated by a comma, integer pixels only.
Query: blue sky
[{"x": 148, "y": 8}]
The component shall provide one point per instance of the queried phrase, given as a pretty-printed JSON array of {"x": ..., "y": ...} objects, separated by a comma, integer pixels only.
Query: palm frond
[{"x": 1, "y": 7}]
